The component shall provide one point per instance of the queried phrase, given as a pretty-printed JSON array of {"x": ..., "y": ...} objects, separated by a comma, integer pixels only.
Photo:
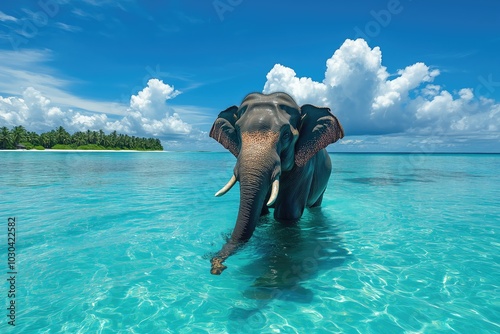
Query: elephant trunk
[{"x": 257, "y": 168}]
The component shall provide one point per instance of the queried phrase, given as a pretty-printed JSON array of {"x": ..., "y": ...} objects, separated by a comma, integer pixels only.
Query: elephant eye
[
  {"x": 286, "y": 135},
  {"x": 242, "y": 111}
]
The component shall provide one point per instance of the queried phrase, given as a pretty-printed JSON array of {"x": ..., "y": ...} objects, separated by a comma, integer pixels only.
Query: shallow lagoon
[{"x": 120, "y": 242}]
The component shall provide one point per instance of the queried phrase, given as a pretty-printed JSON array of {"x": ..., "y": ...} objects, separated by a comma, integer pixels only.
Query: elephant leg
[
  {"x": 319, "y": 201},
  {"x": 294, "y": 192},
  {"x": 289, "y": 216}
]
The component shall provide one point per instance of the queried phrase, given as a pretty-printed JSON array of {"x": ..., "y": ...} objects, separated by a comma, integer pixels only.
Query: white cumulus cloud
[
  {"x": 147, "y": 115},
  {"x": 369, "y": 100},
  {"x": 150, "y": 101}
]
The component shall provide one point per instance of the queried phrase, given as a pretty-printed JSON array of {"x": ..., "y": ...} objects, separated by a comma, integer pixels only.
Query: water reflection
[{"x": 288, "y": 257}]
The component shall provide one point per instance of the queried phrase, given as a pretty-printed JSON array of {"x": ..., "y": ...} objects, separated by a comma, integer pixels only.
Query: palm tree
[
  {"x": 5, "y": 138},
  {"x": 89, "y": 136},
  {"x": 120, "y": 141},
  {"x": 18, "y": 134},
  {"x": 48, "y": 139},
  {"x": 33, "y": 138},
  {"x": 113, "y": 139},
  {"x": 79, "y": 138},
  {"x": 101, "y": 138},
  {"x": 62, "y": 136},
  {"x": 45, "y": 140}
]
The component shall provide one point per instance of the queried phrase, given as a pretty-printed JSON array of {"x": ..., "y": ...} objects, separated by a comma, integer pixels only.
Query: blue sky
[{"x": 417, "y": 76}]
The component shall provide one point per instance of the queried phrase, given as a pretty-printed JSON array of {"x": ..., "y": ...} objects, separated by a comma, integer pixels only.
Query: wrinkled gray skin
[{"x": 273, "y": 140}]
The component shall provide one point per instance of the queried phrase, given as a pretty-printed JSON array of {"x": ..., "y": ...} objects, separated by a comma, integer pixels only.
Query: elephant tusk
[
  {"x": 274, "y": 192},
  {"x": 227, "y": 187}
]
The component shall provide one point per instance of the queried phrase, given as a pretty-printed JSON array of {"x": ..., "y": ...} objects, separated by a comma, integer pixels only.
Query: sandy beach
[{"x": 73, "y": 151}]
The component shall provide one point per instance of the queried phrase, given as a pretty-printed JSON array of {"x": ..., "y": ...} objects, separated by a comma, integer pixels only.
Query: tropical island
[{"x": 19, "y": 138}]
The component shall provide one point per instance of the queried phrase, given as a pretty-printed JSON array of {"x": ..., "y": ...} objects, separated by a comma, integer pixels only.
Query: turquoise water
[{"x": 120, "y": 243}]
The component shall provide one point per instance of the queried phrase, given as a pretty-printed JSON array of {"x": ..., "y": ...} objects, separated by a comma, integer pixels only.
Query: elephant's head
[{"x": 269, "y": 135}]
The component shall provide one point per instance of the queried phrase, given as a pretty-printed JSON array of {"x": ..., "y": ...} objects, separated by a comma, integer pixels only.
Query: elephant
[{"x": 281, "y": 163}]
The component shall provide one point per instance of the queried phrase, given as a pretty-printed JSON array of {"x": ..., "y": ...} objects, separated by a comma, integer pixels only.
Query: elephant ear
[
  {"x": 224, "y": 132},
  {"x": 319, "y": 128}
]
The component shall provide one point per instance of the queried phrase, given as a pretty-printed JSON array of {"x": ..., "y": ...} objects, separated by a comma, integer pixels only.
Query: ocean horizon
[
  {"x": 416, "y": 152},
  {"x": 403, "y": 243}
]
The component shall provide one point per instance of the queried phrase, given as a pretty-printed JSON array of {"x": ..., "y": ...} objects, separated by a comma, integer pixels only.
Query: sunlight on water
[{"x": 120, "y": 242}]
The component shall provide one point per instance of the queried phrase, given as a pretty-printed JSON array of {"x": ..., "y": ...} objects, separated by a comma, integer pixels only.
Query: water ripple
[{"x": 118, "y": 243}]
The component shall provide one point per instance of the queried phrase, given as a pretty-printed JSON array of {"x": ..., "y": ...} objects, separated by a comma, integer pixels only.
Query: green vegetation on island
[{"x": 20, "y": 138}]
